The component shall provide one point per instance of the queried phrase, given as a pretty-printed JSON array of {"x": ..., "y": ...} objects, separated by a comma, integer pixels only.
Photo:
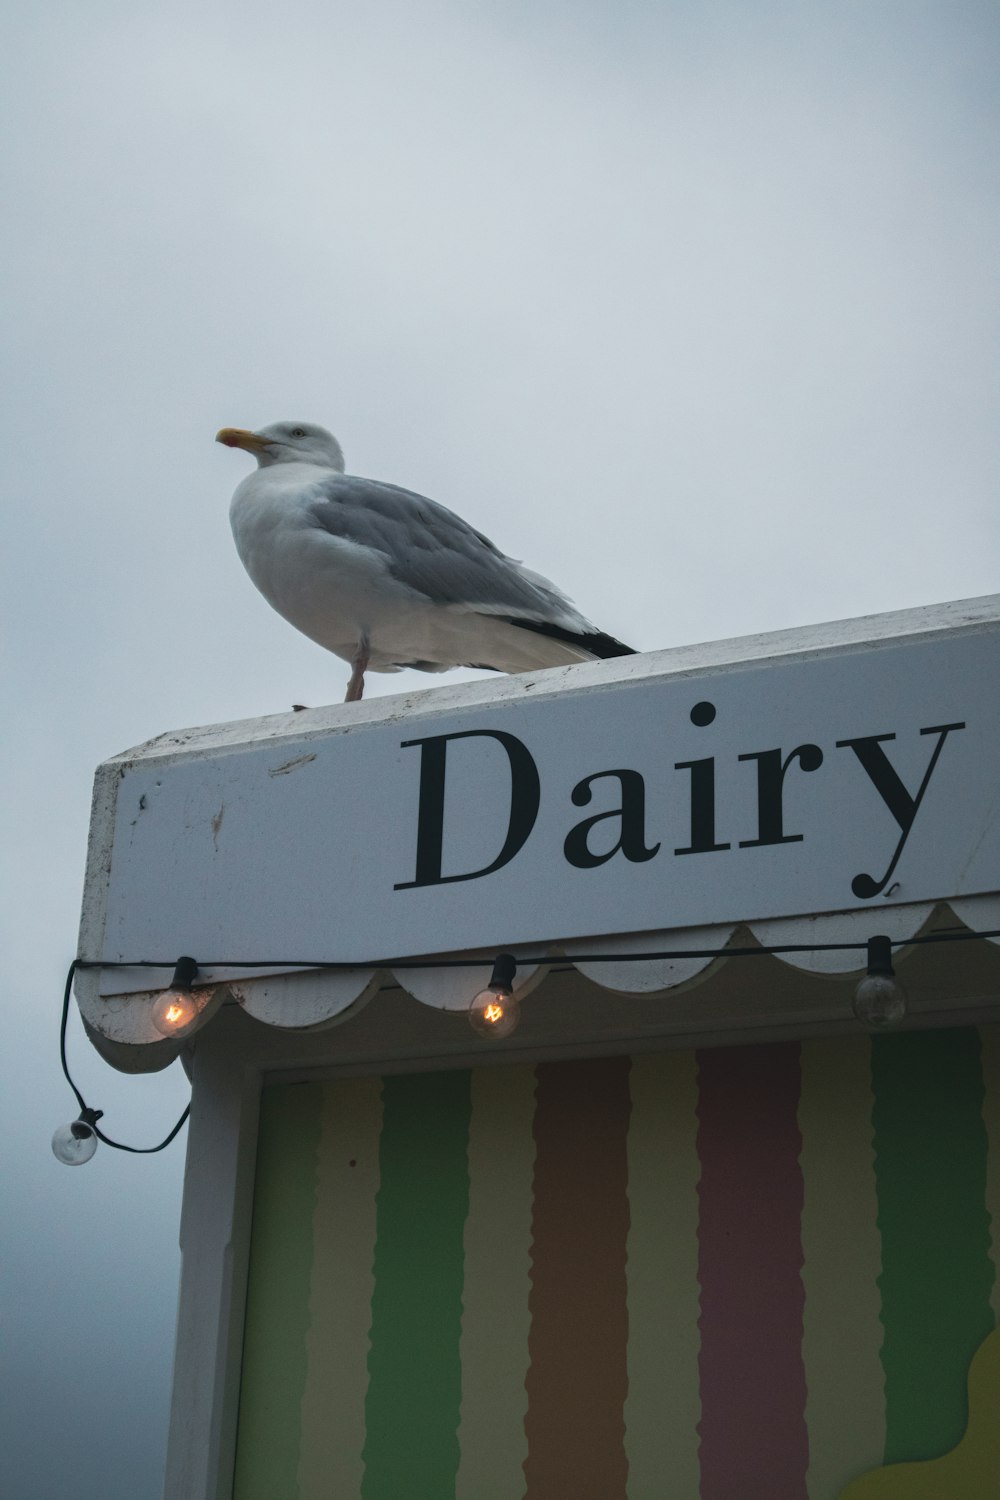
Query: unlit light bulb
[
  {"x": 495, "y": 1011},
  {"x": 178, "y": 1009},
  {"x": 76, "y": 1143},
  {"x": 880, "y": 1000}
]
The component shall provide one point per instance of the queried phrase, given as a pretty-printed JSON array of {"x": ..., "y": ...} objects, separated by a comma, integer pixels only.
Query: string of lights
[
  {"x": 76, "y": 1142},
  {"x": 880, "y": 1000}
]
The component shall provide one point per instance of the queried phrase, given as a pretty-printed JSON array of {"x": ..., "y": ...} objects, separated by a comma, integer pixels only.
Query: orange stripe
[
  {"x": 495, "y": 1310},
  {"x": 578, "y": 1378}
]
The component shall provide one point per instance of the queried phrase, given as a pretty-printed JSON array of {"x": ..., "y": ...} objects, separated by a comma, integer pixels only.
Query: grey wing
[{"x": 433, "y": 551}]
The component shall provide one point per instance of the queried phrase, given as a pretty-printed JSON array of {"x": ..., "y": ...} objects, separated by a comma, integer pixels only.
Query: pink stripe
[{"x": 753, "y": 1391}]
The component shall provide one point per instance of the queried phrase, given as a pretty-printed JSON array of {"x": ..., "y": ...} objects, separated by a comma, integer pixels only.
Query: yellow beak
[{"x": 238, "y": 437}]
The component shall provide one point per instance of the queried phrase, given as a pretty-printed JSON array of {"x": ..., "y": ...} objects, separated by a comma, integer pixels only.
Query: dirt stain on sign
[{"x": 291, "y": 765}]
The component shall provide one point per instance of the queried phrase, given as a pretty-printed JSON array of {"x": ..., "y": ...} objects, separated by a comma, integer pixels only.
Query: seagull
[{"x": 385, "y": 578}]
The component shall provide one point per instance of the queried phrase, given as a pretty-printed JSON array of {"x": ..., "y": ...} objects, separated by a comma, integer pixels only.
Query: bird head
[{"x": 287, "y": 442}]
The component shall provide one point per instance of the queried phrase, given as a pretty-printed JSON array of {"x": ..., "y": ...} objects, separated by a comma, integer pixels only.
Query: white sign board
[{"x": 618, "y": 799}]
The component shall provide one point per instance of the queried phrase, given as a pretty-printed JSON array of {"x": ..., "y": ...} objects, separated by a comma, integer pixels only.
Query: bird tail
[{"x": 595, "y": 642}]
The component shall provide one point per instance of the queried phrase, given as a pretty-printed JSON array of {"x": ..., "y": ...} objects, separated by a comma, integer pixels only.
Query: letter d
[{"x": 525, "y": 795}]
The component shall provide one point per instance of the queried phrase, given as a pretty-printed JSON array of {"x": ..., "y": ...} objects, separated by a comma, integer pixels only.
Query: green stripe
[
  {"x": 990, "y": 1036},
  {"x": 274, "y": 1341},
  {"x": 937, "y": 1275},
  {"x": 663, "y": 1405},
  {"x": 414, "y": 1367}
]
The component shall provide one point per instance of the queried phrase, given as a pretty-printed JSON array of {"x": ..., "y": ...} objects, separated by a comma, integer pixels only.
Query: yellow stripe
[
  {"x": 495, "y": 1318},
  {"x": 663, "y": 1408},
  {"x": 333, "y": 1406},
  {"x": 840, "y": 1242},
  {"x": 990, "y": 1037}
]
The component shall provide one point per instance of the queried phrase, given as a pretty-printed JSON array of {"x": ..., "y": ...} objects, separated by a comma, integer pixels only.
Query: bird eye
[{"x": 298, "y": 432}]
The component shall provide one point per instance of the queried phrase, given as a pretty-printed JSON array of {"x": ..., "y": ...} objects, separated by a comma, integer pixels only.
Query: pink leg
[{"x": 356, "y": 686}]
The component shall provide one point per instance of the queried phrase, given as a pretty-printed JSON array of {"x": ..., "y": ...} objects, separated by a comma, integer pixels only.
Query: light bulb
[
  {"x": 175, "y": 1013},
  {"x": 178, "y": 1010},
  {"x": 494, "y": 1013},
  {"x": 76, "y": 1143},
  {"x": 880, "y": 1000}
]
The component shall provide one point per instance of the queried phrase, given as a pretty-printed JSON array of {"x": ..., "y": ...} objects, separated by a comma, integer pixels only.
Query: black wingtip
[{"x": 596, "y": 642}]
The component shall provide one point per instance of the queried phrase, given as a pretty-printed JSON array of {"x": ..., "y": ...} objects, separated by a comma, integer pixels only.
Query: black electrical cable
[
  {"x": 93, "y": 1115},
  {"x": 340, "y": 965}
]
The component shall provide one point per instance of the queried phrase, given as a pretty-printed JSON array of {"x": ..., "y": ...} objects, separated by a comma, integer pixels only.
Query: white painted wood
[
  {"x": 215, "y": 1242},
  {"x": 896, "y": 922},
  {"x": 134, "y": 1057},
  {"x": 127, "y": 1019},
  {"x": 649, "y": 976},
  {"x": 307, "y": 1001},
  {"x": 455, "y": 989},
  {"x": 979, "y": 913}
]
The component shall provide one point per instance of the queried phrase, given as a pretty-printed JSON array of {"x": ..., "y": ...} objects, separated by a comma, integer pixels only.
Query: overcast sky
[{"x": 693, "y": 306}]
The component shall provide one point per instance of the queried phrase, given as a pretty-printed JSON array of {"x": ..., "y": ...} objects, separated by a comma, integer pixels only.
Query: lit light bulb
[
  {"x": 178, "y": 1010},
  {"x": 494, "y": 1014},
  {"x": 76, "y": 1143},
  {"x": 880, "y": 1000},
  {"x": 495, "y": 1011}
]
